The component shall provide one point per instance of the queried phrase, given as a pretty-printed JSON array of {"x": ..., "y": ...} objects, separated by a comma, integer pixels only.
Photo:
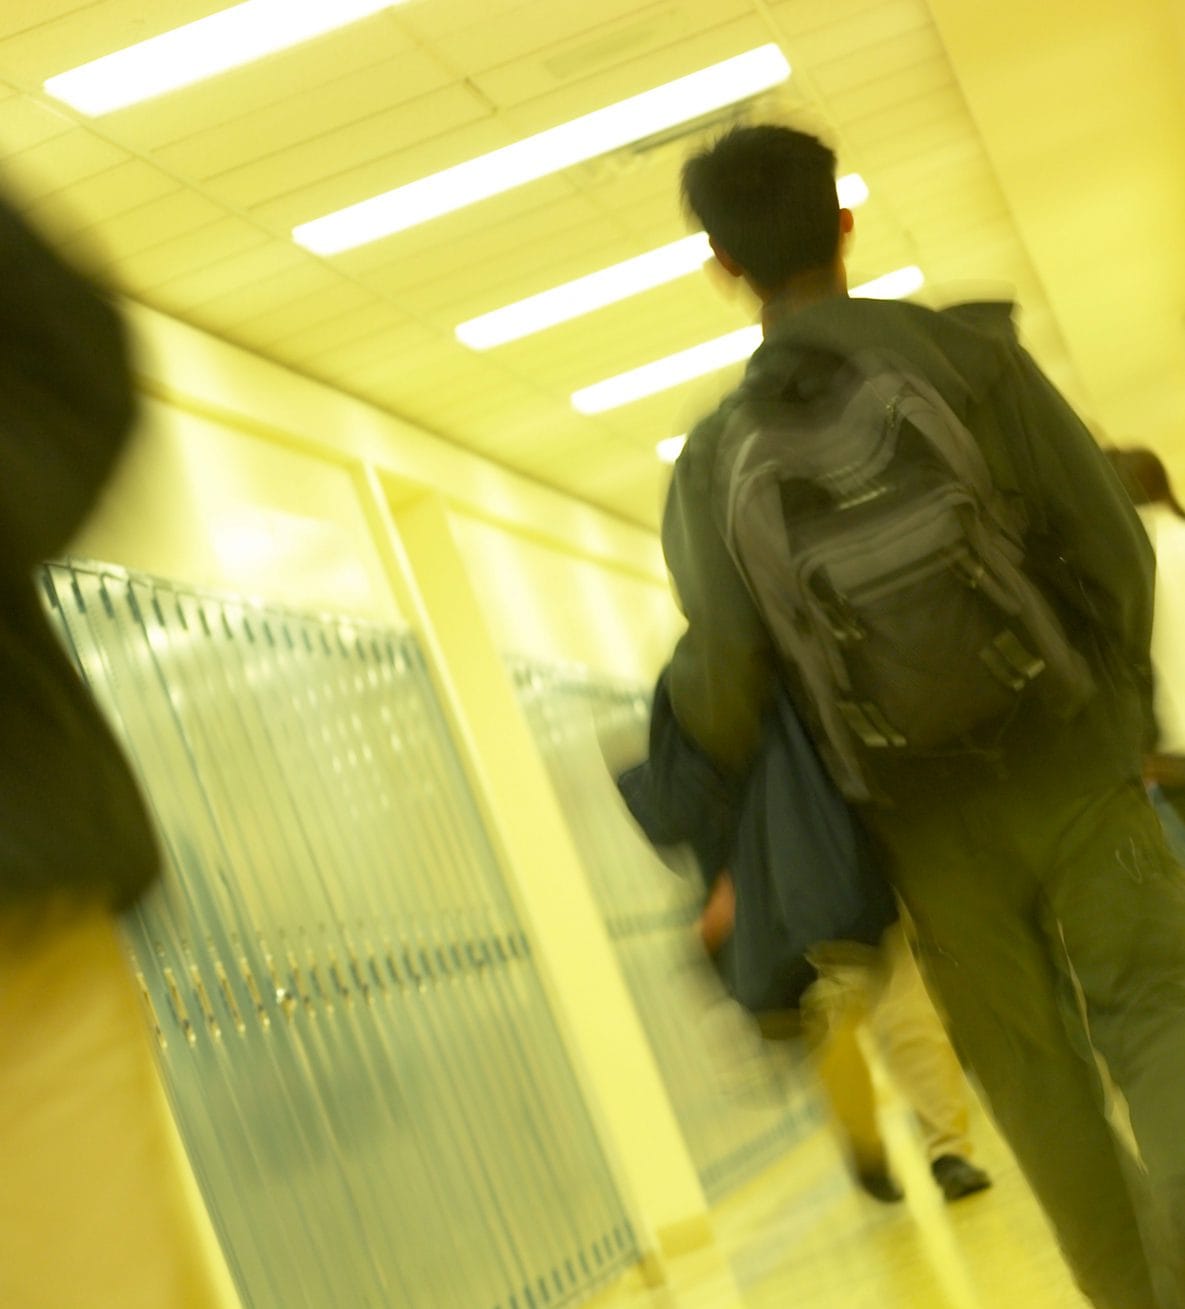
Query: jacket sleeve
[
  {"x": 1082, "y": 512},
  {"x": 722, "y": 672},
  {"x": 66, "y": 400},
  {"x": 678, "y": 795}
]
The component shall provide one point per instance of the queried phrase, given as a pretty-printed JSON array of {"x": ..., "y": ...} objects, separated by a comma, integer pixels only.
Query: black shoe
[
  {"x": 958, "y": 1177},
  {"x": 881, "y": 1185}
]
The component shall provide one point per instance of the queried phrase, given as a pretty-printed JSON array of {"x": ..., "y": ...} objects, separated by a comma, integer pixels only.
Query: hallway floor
[{"x": 802, "y": 1235}]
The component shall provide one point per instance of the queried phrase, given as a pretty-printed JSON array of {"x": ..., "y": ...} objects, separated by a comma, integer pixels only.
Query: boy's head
[{"x": 766, "y": 197}]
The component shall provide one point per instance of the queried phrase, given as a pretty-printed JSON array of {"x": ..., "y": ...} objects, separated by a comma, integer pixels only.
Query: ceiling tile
[
  {"x": 434, "y": 21},
  {"x": 164, "y": 269},
  {"x": 73, "y": 34},
  {"x": 254, "y": 298},
  {"x": 239, "y": 255},
  {"x": 568, "y": 46},
  {"x": 859, "y": 33},
  {"x": 631, "y": 77},
  {"x": 26, "y": 17},
  {"x": 304, "y": 314},
  {"x": 104, "y": 196},
  {"x": 327, "y": 172},
  {"x": 304, "y": 168},
  {"x": 342, "y": 336},
  {"x": 26, "y": 122},
  {"x": 535, "y": 26},
  {"x": 397, "y": 349},
  {"x": 940, "y": 111},
  {"x": 313, "y": 111},
  {"x": 929, "y": 75},
  {"x": 797, "y": 17},
  {"x": 61, "y": 160},
  {"x": 476, "y": 239},
  {"x": 152, "y": 224}
]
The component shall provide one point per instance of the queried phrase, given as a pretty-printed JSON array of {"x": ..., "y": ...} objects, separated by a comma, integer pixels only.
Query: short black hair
[{"x": 766, "y": 195}]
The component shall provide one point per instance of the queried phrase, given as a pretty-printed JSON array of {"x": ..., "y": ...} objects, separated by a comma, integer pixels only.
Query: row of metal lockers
[{"x": 362, "y": 1062}]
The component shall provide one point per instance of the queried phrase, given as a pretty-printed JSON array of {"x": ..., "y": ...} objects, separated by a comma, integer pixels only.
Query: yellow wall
[
  {"x": 195, "y": 373},
  {"x": 200, "y": 500},
  {"x": 543, "y": 602},
  {"x": 245, "y": 476}
]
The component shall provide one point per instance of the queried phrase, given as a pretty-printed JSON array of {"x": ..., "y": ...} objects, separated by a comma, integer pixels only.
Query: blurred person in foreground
[
  {"x": 1050, "y": 914},
  {"x": 91, "y": 1209}
]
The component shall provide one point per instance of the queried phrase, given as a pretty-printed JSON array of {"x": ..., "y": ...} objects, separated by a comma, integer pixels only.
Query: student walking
[{"x": 897, "y": 515}]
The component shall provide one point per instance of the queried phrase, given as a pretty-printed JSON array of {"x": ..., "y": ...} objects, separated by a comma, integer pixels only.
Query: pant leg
[
  {"x": 92, "y": 1210},
  {"x": 968, "y": 876},
  {"x": 834, "y": 1009},
  {"x": 1117, "y": 899},
  {"x": 847, "y": 1084},
  {"x": 918, "y": 1053}
]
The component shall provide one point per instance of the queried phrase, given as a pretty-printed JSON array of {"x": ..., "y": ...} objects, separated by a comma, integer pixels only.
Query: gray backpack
[{"x": 888, "y": 569}]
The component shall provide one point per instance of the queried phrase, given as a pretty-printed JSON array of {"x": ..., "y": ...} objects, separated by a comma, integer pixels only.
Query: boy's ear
[{"x": 725, "y": 260}]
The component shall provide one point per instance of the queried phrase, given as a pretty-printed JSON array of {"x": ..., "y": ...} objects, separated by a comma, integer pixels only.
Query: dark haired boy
[{"x": 1050, "y": 914}]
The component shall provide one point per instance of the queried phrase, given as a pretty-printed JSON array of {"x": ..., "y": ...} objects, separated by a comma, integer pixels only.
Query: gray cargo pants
[{"x": 1052, "y": 929}]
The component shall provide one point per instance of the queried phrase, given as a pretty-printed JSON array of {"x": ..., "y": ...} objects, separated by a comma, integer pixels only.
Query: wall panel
[{"x": 545, "y": 602}]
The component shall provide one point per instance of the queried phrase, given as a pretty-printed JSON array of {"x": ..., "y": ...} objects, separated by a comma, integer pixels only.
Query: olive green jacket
[{"x": 1084, "y": 537}]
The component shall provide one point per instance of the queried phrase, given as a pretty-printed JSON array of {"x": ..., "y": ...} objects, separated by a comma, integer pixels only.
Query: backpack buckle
[
  {"x": 969, "y": 570},
  {"x": 870, "y": 725},
  {"x": 842, "y": 621},
  {"x": 1009, "y": 661}
]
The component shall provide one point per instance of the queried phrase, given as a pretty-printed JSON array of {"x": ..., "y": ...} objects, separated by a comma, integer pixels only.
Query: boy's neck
[{"x": 799, "y": 292}]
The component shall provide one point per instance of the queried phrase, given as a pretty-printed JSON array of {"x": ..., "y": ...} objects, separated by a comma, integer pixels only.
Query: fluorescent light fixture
[
  {"x": 852, "y": 191},
  {"x": 585, "y": 294},
  {"x": 892, "y": 286},
  {"x": 712, "y": 355},
  {"x": 546, "y": 152},
  {"x": 668, "y": 372},
  {"x": 671, "y": 447},
  {"x": 570, "y": 300},
  {"x": 201, "y": 49}
]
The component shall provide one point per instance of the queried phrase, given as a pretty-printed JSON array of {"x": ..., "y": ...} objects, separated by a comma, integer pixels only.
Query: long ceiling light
[
  {"x": 710, "y": 356},
  {"x": 662, "y": 374},
  {"x": 892, "y": 286},
  {"x": 671, "y": 447},
  {"x": 571, "y": 300},
  {"x": 546, "y": 152},
  {"x": 201, "y": 49}
]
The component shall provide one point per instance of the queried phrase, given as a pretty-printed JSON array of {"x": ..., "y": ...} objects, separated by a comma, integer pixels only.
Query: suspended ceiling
[{"x": 1037, "y": 150}]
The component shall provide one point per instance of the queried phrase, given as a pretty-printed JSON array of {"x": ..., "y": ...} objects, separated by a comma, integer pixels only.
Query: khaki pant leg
[
  {"x": 93, "y": 1214},
  {"x": 918, "y": 1054},
  {"x": 834, "y": 1009}
]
